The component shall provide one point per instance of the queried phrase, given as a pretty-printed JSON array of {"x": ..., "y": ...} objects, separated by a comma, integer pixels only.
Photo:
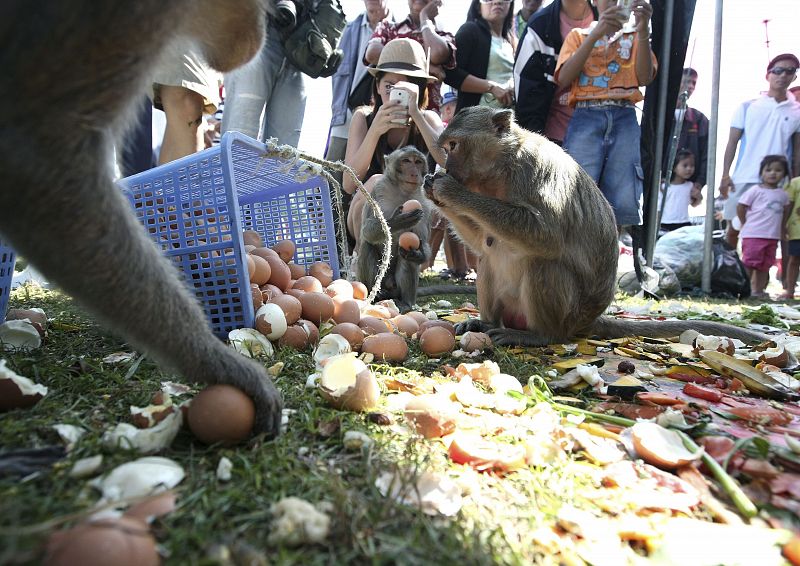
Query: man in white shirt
[{"x": 767, "y": 125}]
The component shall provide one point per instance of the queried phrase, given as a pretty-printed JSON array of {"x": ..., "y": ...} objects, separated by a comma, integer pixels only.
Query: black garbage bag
[{"x": 728, "y": 274}]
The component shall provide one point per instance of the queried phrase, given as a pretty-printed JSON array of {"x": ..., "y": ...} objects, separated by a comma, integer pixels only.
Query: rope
[{"x": 309, "y": 166}]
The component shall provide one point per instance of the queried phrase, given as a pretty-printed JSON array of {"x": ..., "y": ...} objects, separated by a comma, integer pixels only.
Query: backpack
[{"x": 311, "y": 45}]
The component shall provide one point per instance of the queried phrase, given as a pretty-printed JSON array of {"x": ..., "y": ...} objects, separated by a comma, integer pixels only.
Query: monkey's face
[
  {"x": 412, "y": 169},
  {"x": 474, "y": 141}
]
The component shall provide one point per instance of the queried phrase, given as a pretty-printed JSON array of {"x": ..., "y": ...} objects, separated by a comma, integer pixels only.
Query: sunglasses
[{"x": 783, "y": 70}]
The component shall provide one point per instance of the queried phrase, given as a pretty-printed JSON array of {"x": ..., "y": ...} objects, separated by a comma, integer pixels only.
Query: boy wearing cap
[
  {"x": 767, "y": 125},
  {"x": 448, "y": 107}
]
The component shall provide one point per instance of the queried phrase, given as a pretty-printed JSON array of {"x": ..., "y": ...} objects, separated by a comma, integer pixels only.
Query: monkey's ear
[{"x": 502, "y": 121}]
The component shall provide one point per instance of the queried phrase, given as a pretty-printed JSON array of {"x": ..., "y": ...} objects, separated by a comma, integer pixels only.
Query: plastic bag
[
  {"x": 682, "y": 251},
  {"x": 728, "y": 274}
]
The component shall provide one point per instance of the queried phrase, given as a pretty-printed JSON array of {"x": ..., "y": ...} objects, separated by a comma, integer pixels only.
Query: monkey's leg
[
  {"x": 517, "y": 223},
  {"x": 407, "y": 276},
  {"x": 67, "y": 217}
]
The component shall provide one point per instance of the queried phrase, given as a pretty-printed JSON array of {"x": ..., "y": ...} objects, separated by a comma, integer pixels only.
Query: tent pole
[
  {"x": 658, "y": 155},
  {"x": 712, "y": 151}
]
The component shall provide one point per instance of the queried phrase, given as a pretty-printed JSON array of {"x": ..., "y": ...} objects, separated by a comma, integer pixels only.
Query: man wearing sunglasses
[{"x": 767, "y": 125}]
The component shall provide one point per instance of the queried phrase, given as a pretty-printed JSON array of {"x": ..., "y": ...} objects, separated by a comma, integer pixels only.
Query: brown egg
[
  {"x": 351, "y": 332},
  {"x": 418, "y": 316},
  {"x": 436, "y": 323},
  {"x": 322, "y": 271},
  {"x": 251, "y": 267},
  {"x": 248, "y": 248},
  {"x": 296, "y": 293},
  {"x": 386, "y": 346},
  {"x": 122, "y": 541},
  {"x": 296, "y": 337},
  {"x": 263, "y": 270},
  {"x": 408, "y": 241},
  {"x": 269, "y": 292},
  {"x": 297, "y": 270},
  {"x": 374, "y": 325},
  {"x": 308, "y": 284},
  {"x": 313, "y": 331},
  {"x": 317, "y": 307},
  {"x": 221, "y": 414},
  {"x": 411, "y": 204},
  {"x": 280, "y": 273},
  {"x": 346, "y": 311},
  {"x": 406, "y": 325},
  {"x": 360, "y": 291},
  {"x": 340, "y": 288},
  {"x": 436, "y": 341},
  {"x": 290, "y": 306},
  {"x": 472, "y": 341},
  {"x": 266, "y": 253},
  {"x": 285, "y": 249},
  {"x": 258, "y": 298},
  {"x": 252, "y": 238}
]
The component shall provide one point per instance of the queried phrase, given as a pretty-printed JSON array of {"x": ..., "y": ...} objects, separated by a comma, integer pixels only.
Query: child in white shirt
[{"x": 679, "y": 194}]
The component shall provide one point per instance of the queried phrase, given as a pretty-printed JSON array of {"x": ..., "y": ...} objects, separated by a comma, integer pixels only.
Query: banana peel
[{"x": 757, "y": 382}]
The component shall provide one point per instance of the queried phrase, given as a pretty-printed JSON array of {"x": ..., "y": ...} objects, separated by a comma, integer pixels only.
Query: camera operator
[{"x": 266, "y": 98}]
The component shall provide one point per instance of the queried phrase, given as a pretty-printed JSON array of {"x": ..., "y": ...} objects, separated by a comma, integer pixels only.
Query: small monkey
[
  {"x": 73, "y": 73},
  {"x": 545, "y": 236},
  {"x": 402, "y": 180}
]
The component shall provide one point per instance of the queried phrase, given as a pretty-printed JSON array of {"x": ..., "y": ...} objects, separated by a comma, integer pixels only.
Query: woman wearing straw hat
[{"x": 378, "y": 130}]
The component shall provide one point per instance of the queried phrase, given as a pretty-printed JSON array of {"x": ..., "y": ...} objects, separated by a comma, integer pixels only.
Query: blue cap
[{"x": 448, "y": 97}]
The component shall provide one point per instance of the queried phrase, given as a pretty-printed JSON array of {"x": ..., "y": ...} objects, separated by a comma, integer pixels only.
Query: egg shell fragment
[
  {"x": 661, "y": 447},
  {"x": 347, "y": 383},
  {"x": 16, "y": 391},
  {"x": 271, "y": 321},
  {"x": 433, "y": 416}
]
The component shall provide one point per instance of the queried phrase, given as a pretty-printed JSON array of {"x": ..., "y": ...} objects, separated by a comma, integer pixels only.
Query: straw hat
[{"x": 404, "y": 57}]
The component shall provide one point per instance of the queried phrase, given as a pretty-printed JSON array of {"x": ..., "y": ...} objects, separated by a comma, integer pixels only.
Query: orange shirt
[{"x": 610, "y": 70}]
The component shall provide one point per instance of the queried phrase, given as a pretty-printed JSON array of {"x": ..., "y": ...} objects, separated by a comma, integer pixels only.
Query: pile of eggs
[{"x": 291, "y": 303}]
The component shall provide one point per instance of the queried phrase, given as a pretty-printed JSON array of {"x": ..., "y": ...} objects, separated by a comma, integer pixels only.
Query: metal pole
[
  {"x": 658, "y": 156},
  {"x": 711, "y": 182}
]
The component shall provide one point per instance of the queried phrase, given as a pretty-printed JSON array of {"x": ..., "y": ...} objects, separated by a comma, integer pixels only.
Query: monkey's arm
[
  {"x": 518, "y": 223},
  {"x": 372, "y": 232}
]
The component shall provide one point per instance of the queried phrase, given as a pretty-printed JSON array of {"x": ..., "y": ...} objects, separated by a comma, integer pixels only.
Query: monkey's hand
[
  {"x": 414, "y": 256},
  {"x": 513, "y": 337},
  {"x": 402, "y": 221},
  {"x": 445, "y": 190},
  {"x": 473, "y": 325},
  {"x": 430, "y": 179}
]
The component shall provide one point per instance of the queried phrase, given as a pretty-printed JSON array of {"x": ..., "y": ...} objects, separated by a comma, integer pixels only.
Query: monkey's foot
[
  {"x": 473, "y": 325},
  {"x": 512, "y": 337}
]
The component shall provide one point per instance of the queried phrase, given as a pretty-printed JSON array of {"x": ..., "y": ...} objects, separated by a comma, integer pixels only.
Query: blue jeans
[
  {"x": 604, "y": 140},
  {"x": 266, "y": 98}
]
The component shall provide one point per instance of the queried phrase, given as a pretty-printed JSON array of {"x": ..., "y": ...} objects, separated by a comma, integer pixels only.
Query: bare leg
[
  {"x": 456, "y": 256},
  {"x": 732, "y": 237},
  {"x": 792, "y": 271},
  {"x": 183, "y": 135}
]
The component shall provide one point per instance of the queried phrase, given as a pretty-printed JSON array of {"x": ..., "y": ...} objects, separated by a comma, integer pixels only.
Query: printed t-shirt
[{"x": 765, "y": 212}]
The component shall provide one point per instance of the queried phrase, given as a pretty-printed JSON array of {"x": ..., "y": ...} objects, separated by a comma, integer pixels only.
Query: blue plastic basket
[
  {"x": 6, "y": 275},
  {"x": 196, "y": 208}
]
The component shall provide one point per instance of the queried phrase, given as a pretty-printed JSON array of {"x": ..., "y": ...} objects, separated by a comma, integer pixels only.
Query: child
[
  {"x": 763, "y": 212},
  {"x": 680, "y": 193},
  {"x": 605, "y": 64},
  {"x": 448, "y": 106},
  {"x": 793, "y": 233}
]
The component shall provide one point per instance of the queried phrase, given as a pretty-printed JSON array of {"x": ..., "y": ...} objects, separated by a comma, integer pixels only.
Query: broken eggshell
[
  {"x": 145, "y": 476},
  {"x": 660, "y": 446},
  {"x": 250, "y": 342},
  {"x": 19, "y": 335},
  {"x": 329, "y": 346},
  {"x": 347, "y": 383},
  {"x": 145, "y": 440},
  {"x": 475, "y": 341},
  {"x": 432, "y": 415},
  {"x": 16, "y": 391},
  {"x": 271, "y": 321}
]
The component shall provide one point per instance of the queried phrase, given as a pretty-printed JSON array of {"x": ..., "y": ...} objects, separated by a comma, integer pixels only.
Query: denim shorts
[{"x": 604, "y": 140}]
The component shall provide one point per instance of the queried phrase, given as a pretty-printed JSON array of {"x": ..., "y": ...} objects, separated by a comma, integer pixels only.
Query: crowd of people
[{"x": 572, "y": 71}]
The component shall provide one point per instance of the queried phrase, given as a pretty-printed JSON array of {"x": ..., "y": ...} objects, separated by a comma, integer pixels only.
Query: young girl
[
  {"x": 679, "y": 194},
  {"x": 763, "y": 212}
]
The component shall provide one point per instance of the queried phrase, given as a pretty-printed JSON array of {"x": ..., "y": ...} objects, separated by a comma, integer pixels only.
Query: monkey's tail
[
  {"x": 446, "y": 290},
  {"x": 610, "y": 327}
]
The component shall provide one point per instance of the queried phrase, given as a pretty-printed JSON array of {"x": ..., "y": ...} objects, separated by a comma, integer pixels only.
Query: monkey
[
  {"x": 405, "y": 171},
  {"x": 73, "y": 73},
  {"x": 545, "y": 236}
]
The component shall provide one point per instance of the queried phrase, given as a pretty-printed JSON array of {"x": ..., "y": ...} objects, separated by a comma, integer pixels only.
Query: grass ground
[{"x": 229, "y": 522}]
